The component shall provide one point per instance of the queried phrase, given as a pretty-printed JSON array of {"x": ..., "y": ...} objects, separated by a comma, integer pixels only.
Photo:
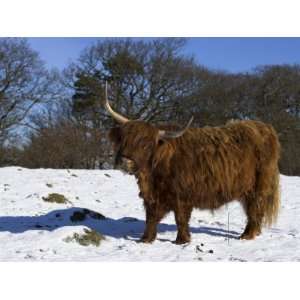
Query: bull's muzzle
[{"x": 125, "y": 164}]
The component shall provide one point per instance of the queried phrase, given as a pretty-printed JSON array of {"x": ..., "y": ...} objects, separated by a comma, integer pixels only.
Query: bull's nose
[{"x": 125, "y": 165}]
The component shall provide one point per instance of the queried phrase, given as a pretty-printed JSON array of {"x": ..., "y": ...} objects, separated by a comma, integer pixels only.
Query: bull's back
[{"x": 214, "y": 165}]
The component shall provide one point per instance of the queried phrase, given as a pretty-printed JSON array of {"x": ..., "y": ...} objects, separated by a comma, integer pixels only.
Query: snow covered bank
[{"x": 32, "y": 229}]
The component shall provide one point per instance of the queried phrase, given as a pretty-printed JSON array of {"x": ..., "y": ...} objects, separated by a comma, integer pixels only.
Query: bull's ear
[
  {"x": 163, "y": 153},
  {"x": 114, "y": 135}
]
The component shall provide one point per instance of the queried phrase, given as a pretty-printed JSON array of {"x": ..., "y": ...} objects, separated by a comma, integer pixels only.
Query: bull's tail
[{"x": 272, "y": 201}]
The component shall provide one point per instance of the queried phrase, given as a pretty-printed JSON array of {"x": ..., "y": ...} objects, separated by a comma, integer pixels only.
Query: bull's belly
[
  {"x": 211, "y": 202},
  {"x": 216, "y": 196},
  {"x": 201, "y": 197}
]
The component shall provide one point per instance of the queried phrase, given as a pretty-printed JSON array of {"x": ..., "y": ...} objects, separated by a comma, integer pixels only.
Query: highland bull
[{"x": 204, "y": 168}]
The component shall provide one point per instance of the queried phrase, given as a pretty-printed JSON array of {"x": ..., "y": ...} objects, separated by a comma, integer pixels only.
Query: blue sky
[{"x": 229, "y": 54}]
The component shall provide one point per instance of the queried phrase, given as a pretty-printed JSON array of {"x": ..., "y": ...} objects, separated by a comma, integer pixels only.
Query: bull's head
[{"x": 135, "y": 141}]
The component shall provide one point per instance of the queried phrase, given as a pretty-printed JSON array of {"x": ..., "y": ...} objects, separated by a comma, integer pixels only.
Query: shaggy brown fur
[{"x": 204, "y": 168}]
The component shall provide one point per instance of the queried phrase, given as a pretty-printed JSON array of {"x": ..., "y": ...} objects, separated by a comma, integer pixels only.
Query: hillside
[{"x": 32, "y": 229}]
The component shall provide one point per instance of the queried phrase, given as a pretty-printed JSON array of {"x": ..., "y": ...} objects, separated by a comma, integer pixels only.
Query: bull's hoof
[
  {"x": 182, "y": 240},
  {"x": 146, "y": 240},
  {"x": 248, "y": 236}
]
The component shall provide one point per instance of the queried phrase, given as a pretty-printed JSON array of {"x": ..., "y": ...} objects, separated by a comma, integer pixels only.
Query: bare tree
[
  {"x": 63, "y": 145},
  {"x": 24, "y": 83},
  {"x": 147, "y": 78}
]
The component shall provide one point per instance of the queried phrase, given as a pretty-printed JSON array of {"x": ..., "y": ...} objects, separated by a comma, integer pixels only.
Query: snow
[{"x": 34, "y": 230}]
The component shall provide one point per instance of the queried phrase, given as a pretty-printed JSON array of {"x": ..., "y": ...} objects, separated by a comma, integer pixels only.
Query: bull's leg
[
  {"x": 254, "y": 211},
  {"x": 154, "y": 214},
  {"x": 182, "y": 217}
]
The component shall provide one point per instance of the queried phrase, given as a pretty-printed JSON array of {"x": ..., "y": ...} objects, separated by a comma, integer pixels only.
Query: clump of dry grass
[
  {"x": 56, "y": 198},
  {"x": 89, "y": 237}
]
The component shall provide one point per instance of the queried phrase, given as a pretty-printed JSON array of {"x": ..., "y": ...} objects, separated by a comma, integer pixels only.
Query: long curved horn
[
  {"x": 163, "y": 134},
  {"x": 114, "y": 114}
]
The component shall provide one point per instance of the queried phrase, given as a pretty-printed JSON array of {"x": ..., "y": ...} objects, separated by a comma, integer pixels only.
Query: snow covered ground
[{"x": 34, "y": 230}]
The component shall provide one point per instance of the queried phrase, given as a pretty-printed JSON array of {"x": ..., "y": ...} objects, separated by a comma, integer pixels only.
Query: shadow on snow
[{"x": 126, "y": 227}]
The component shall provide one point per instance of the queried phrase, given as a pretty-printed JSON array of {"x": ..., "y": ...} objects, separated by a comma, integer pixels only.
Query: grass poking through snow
[
  {"x": 89, "y": 237},
  {"x": 56, "y": 198}
]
